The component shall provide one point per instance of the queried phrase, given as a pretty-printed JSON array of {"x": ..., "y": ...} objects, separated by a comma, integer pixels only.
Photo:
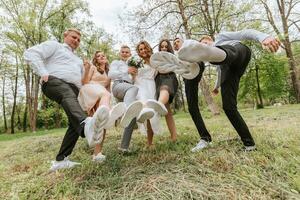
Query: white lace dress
[{"x": 146, "y": 84}]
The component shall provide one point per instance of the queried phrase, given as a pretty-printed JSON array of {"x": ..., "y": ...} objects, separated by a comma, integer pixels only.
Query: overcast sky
[{"x": 105, "y": 14}]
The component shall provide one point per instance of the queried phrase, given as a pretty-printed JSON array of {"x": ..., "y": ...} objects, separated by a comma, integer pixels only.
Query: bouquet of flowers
[{"x": 135, "y": 61}]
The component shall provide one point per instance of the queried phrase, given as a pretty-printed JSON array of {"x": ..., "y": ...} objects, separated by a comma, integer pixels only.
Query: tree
[{"x": 290, "y": 23}]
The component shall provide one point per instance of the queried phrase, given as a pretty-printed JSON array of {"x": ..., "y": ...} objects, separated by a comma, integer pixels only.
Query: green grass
[{"x": 169, "y": 171}]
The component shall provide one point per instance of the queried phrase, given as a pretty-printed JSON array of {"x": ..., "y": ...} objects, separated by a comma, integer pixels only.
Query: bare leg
[
  {"x": 149, "y": 134},
  {"x": 105, "y": 100},
  {"x": 164, "y": 98},
  {"x": 171, "y": 123},
  {"x": 98, "y": 147}
]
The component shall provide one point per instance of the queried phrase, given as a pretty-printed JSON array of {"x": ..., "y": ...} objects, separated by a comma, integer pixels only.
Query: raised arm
[
  {"x": 247, "y": 34},
  {"x": 266, "y": 40},
  {"x": 88, "y": 72}
]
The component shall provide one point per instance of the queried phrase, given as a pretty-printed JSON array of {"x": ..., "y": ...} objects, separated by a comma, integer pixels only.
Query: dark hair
[
  {"x": 96, "y": 64},
  {"x": 147, "y": 45},
  {"x": 169, "y": 48}
]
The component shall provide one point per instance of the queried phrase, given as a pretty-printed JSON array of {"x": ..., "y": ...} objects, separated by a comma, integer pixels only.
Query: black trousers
[
  {"x": 66, "y": 94},
  {"x": 232, "y": 68},
  {"x": 191, "y": 91}
]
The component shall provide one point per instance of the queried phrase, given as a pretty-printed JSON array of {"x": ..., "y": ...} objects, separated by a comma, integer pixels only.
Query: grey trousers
[{"x": 127, "y": 93}]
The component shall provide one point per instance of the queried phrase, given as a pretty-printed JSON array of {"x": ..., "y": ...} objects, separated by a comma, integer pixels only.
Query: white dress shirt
[
  {"x": 118, "y": 70},
  {"x": 55, "y": 59}
]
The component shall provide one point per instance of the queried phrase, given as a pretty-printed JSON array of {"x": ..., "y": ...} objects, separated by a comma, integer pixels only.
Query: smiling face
[
  {"x": 125, "y": 53},
  {"x": 164, "y": 46},
  {"x": 72, "y": 39},
  {"x": 144, "y": 50},
  {"x": 177, "y": 44},
  {"x": 101, "y": 58}
]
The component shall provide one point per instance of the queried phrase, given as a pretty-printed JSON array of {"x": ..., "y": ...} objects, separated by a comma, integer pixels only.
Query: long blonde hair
[{"x": 97, "y": 65}]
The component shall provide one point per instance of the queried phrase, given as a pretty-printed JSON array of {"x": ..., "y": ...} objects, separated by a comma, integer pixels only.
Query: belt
[{"x": 122, "y": 81}]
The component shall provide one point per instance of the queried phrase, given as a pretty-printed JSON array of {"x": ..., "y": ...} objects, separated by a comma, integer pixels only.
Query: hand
[
  {"x": 215, "y": 91},
  {"x": 86, "y": 65},
  {"x": 132, "y": 70},
  {"x": 44, "y": 79},
  {"x": 271, "y": 44}
]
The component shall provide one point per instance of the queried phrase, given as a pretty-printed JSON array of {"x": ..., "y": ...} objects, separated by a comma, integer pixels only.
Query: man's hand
[
  {"x": 271, "y": 44},
  {"x": 44, "y": 79},
  {"x": 86, "y": 65},
  {"x": 215, "y": 91},
  {"x": 132, "y": 70}
]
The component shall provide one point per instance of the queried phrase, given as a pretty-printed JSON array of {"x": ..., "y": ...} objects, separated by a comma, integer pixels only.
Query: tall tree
[{"x": 287, "y": 27}]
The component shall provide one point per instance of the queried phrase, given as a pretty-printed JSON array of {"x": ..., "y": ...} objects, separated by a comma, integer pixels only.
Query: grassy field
[{"x": 170, "y": 171}]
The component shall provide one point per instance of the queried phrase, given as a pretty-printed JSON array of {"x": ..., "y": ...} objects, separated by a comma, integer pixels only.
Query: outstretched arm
[{"x": 266, "y": 40}]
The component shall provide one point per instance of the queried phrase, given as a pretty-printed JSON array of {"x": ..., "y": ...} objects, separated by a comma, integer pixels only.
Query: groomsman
[
  {"x": 232, "y": 56},
  {"x": 61, "y": 70}
]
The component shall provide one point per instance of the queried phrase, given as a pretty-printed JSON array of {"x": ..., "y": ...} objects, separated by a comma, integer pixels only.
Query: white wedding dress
[{"x": 145, "y": 82}]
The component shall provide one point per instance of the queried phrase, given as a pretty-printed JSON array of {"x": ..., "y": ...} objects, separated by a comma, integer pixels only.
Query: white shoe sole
[
  {"x": 166, "y": 62},
  {"x": 194, "y": 51},
  {"x": 100, "y": 119},
  {"x": 132, "y": 111},
  {"x": 157, "y": 106},
  {"x": 116, "y": 112},
  {"x": 145, "y": 115},
  {"x": 193, "y": 71}
]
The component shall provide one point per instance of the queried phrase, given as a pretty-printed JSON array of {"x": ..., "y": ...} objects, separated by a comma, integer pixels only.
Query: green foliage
[
  {"x": 272, "y": 72},
  {"x": 51, "y": 118},
  {"x": 273, "y": 76}
]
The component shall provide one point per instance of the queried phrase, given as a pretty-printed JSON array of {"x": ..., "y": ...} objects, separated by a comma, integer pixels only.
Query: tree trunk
[
  {"x": 15, "y": 91},
  {"x": 181, "y": 92},
  {"x": 293, "y": 69},
  {"x": 208, "y": 98},
  {"x": 259, "y": 100},
  {"x": 205, "y": 88},
  {"x": 25, "y": 118},
  {"x": 3, "y": 105},
  {"x": 32, "y": 88}
]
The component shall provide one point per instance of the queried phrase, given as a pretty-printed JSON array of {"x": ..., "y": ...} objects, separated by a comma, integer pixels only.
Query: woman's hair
[
  {"x": 147, "y": 46},
  {"x": 97, "y": 65},
  {"x": 169, "y": 48}
]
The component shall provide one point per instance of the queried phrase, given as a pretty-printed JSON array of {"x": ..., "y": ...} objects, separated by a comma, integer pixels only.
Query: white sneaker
[
  {"x": 201, "y": 145},
  {"x": 133, "y": 110},
  {"x": 157, "y": 106},
  {"x": 193, "y": 70},
  {"x": 249, "y": 148},
  {"x": 64, "y": 164},
  {"x": 117, "y": 111},
  {"x": 94, "y": 126},
  {"x": 166, "y": 62},
  {"x": 194, "y": 51},
  {"x": 99, "y": 158},
  {"x": 146, "y": 113}
]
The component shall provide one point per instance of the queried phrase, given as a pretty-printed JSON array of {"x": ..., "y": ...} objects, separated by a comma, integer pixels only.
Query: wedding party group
[{"x": 142, "y": 87}]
